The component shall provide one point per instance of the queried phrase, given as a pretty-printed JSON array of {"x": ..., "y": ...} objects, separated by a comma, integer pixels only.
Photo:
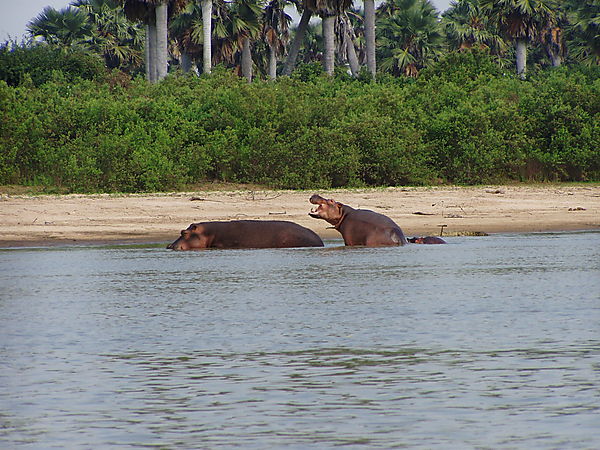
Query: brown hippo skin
[
  {"x": 358, "y": 226},
  {"x": 246, "y": 234},
  {"x": 427, "y": 240}
]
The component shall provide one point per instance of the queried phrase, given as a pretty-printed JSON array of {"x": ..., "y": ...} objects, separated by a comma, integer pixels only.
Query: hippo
[
  {"x": 427, "y": 240},
  {"x": 358, "y": 226},
  {"x": 246, "y": 234}
]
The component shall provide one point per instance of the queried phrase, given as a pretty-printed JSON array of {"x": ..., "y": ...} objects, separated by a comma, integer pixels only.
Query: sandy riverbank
[{"x": 92, "y": 219}]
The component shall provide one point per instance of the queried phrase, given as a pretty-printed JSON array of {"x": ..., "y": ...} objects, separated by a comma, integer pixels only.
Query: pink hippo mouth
[
  {"x": 314, "y": 212},
  {"x": 319, "y": 201}
]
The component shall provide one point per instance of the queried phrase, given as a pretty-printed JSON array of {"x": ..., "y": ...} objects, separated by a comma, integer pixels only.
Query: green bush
[
  {"x": 464, "y": 123},
  {"x": 463, "y": 67},
  {"x": 41, "y": 63}
]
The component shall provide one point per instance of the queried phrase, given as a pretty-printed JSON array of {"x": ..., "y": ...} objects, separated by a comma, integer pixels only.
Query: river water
[{"x": 488, "y": 342}]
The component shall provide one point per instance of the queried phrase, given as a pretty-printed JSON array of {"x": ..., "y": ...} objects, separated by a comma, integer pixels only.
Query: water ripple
[{"x": 474, "y": 344}]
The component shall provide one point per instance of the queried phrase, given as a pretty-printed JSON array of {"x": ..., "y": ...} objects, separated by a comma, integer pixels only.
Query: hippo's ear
[{"x": 192, "y": 227}]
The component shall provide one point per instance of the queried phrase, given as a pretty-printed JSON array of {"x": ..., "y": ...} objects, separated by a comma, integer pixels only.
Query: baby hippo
[
  {"x": 246, "y": 234},
  {"x": 427, "y": 240}
]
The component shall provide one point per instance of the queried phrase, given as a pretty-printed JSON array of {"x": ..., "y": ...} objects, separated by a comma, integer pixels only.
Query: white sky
[{"x": 15, "y": 14}]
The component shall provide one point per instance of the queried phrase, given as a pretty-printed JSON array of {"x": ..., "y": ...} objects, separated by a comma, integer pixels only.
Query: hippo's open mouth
[
  {"x": 315, "y": 212},
  {"x": 319, "y": 201}
]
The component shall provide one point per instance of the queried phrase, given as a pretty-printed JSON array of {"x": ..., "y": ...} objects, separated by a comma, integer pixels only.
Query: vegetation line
[{"x": 493, "y": 91}]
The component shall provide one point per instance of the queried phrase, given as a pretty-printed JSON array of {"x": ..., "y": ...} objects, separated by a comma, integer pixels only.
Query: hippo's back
[
  {"x": 263, "y": 234},
  {"x": 383, "y": 230},
  {"x": 374, "y": 218}
]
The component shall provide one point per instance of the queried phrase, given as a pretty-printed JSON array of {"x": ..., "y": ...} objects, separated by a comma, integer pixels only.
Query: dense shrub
[
  {"x": 463, "y": 67},
  {"x": 42, "y": 63},
  {"x": 307, "y": 132}
]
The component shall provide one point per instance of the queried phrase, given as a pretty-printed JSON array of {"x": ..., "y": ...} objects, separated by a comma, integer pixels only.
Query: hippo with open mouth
[{"x": 358, "y": 226}]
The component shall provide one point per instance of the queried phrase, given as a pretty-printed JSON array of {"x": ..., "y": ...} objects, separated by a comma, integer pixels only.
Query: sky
[{"x": 15, "y": 14}]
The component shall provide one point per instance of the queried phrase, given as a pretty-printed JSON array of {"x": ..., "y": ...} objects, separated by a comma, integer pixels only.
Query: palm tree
[
  {"x": 356, "y": 25},
  {"x": 207, "y": 6},
  {"x": 186, "y": 31},
  {"x": 224, "y": 44},
  {"x": 328, "y": 22},
  {"x": 63, "y": 28},
  {"x": 294, "y": 49},
  {"x": 117, "y": 40},
  {"x": 245, "y": 15},
  {"x": 98, "y": 26},
  {"x": 275, "y": 32},
  {"x": 235, "y": 25},
  {"x": 346, "y": 49},
  {"x": 193, "y": 29},
  {"x": 154, "y": 14},
  {"x": 146, "y": 12},
  {"x": 370, "y": 36},
  {"x": 552, "y": 38},
  {"x": 409, "y": 35},
  {"x": 521, "y": 21},
  {"x": 467, "y": 26},
  {"x": 583, "y": 33},
  {"x": 312, "y": 44},
  {"x": 328, "y": 10}
]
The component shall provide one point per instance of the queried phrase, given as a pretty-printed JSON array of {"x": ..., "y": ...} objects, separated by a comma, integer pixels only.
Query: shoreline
[
  {"x": 107, "y": 219},
  {"x": 126, "y": 243}
]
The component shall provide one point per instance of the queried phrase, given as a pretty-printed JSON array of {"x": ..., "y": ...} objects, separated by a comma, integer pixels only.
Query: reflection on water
[{"x": 484, "y": 342}]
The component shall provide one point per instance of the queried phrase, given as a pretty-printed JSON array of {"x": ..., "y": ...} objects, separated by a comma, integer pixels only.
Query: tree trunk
[
  {"x": 554, "y": 45},
  {"x": 161, "y": 41},
  {"x": 352, "y": 58},
  {"x": 329, "y": 44},
  {"x": 246, "y": 60},
  {"x": 290, "y": 62},
  {"x": 370, "y": 36},
  {"x": 186, "y": 62},
  {"x": 555, "y": 57},
  {"x": 207, "y": 32},
  {"x": 272, "y": 63},
  {"x": 521, "y": 58},
  {"x": 151, "y": 50}
]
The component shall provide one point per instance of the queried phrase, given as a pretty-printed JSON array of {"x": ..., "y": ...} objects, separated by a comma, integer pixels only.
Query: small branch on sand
[
  {"x": 200, "y": 199},
  {"x": 252, "y": 195}
]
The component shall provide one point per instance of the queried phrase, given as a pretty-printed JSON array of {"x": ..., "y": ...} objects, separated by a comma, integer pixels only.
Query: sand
[{"x": 49, "y": 220}]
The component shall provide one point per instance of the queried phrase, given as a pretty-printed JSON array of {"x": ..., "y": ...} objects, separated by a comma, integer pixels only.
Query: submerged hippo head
[
  {"x": 190, "y": 238},
  {"x": 426, "y": 240}
]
